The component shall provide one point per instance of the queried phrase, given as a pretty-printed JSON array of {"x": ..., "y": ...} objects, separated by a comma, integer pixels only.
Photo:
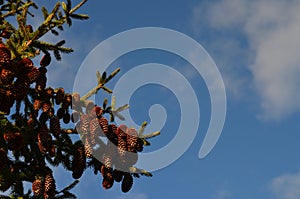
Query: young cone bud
[{"x": 127, "y": 182}]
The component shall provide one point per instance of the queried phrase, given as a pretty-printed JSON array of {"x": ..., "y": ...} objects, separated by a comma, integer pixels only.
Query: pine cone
[
  {"x": 55, "y": 126},
  {"x": 118, "y": 175},
  {"x": 104, "y": 125},
  {"x": 60, "y": 93},
  {"x": 38, "y": 187},
  {"x": 122, "y": 143},
  {"x": 113, "y": 136},
  {"x": 107, "y": 160},
  {"x": 84, "y": 124},
  {"x": 127, "y": 182},
  {"x": 132, "y": 137},
  {"x": 140, "y": 145},
  {"x": 44, "y": 140},
  {"x": 20, "y": 88},
  {"x": 33, "y": 75},
  {"x": 67, "y": 101},
  {"x": 6, "y": 76},
  {"x": 37, "y": 104},
  {"x": 41, "y": 80},
  {"x": 88, "y": 148},
  {"x": 5, "y": 56},
  {"x": 49, "y": 185},
  {"x": 78, "y": 162},
  {"x": 108, "y": 181},
  {"x": 94, "y": 128},
  {"x": 46, "y": 60},
  {"x": 14, "y": 141}
]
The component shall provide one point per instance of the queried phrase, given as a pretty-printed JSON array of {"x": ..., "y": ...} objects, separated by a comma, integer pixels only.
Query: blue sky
[{"x": 255, "y": 45}]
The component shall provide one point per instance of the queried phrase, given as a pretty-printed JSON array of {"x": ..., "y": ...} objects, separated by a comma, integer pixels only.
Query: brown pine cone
[
  {"x": 55, "y": 126},
  {"x": 14, "y": 141},
  {"x": 41, "y": 80},
  {"x": 5, "y": 56},
  {"x": 108, "y": 181},
  {"x": 127, "y": 182},
  {"x": 104, "y": 125},
  {"x": 88, "y": 148},
  {"x": 38, "y": 187},
  {"x": 122, "y": 142},
  {"x": 49, "y": 184},
  {"x": 118, "y": 175},
  {"x": 44, "y": 140},
  {"x": 60, "y": 93},
  {"x": 20, "y": 88},
  {"x": 37, "y": 104},
  {"x": 46, "y": 60},
  {"x": 6, "y": 76},
  {"x": 95, "y": 130},
  {"x": 78, "y": 162},
  {"x": 33, "y": 74},
  {"x": 132, "y": 137}
]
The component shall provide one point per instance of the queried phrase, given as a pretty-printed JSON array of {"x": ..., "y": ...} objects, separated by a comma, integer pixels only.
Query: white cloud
[
  {"x": 134, "y": 196},
  {"x": 222, "y": 194},
  {"x": 271, "y": 30},
  {"x": 286, "y": 186}
]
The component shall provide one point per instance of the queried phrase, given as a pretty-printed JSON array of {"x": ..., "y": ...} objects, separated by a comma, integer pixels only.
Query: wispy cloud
[
  {"x": 269, "y": 33},
  {"x": 133, "y": 196},
  {"x": 222, "y": 194},
  {"x": 286, "y": 186}
]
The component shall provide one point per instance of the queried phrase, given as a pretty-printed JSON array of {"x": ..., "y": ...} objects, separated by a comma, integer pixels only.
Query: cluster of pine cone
[
  {"x": 111, "y": 150},
  {"x": 16, "y": 78},
  {"x": 44, "y": 186},
  {"x": 115, "y": 156}
]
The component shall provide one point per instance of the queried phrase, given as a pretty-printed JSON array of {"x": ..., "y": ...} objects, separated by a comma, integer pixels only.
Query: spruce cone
[
  {"x": 118, "y": 175},
  {"x": 107, "y": 160},
  {"x": 132, "y": 139},
  {"x": 6, "y": 76},
  {"x": 127, "y": 182},
  {"x": 5, "y": 56},
  {"x": 122, "y": 142},
  {"x": 49, "y": 185},
  {"x": 140, "y": 145},
  {"x": 38, "y": 187},
  {"x": 84, "y": 124},
  {"x": 78, "y": 163},
  {"x": 41, "y": 80},
  {"x": 94, "y": 128},
  {"x": 33, "y": 75},
  {"x": 66, "y": 117},
  {"x": 55, "y": 126},
  {"x": 14, "y": 140},
  {"x": 60, "y": 93},
  {"x": 108, "y": 181},
  {"x": 20, "y": 88},
  {"x": 37, "y": 104},
  {"x": 113, "y": 136},
  {"x": 88, "y": 148},
  {"x": 44, "y": 140},
  {"x": 45, "y": 61},
  {"x": 67, "y": 101},
  {"x": 104, "y": 125}
]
